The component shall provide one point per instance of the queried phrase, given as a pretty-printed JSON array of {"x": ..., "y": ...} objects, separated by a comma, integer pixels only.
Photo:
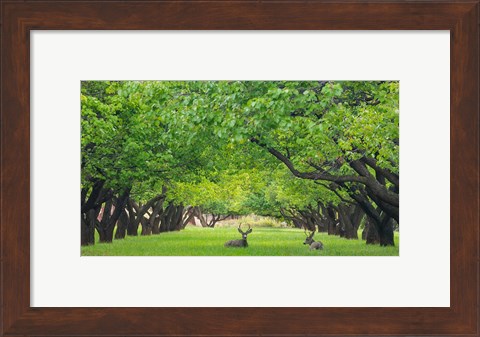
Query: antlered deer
[
  {"x": 242, "y": 242},
  {"x": 311, "y": 242}
]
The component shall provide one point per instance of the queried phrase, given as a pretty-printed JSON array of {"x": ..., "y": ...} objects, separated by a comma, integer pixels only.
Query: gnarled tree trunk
[
  {"x": 122, "y": 225},
  {"x": 88, "y": 227},
  {"x": 132, "y": 227},
  {"x": 172, "y": 217},
  {"x": 199, "y": 215},
  {"x": 370, "y": 233},
  {"x": 155, "y": 217},
  {"x": 106, "y": 226}
]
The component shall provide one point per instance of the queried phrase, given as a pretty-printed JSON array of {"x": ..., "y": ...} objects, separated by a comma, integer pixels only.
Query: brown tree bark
[
  {"x": 199, "y": 215},
  {"x": 349, "y": 231},
  {"x": 92, "y": 199},
  {"x": 102, "y": 225},
  {"x": 171, "y": 218},
  {"x": 216, "y": 218},
  {"x": 351, "y": 216},
  {"x": 88, "y": 227},
  {"x": 145, "y": 223},
  {"x": 291, "y": 216},
  {"x": 329, "y": 215},
  {"x": 106, "y": 226},
  {"x": 122, "y": 224},
  {"x": 144, "y": 209},
  {"x": 370, "y": 233},
  {"x": 188, "y": 217},
  {"x": 155, "y": 217},
  {"x": 132, "y": 227},
  {"x": 385, "y": 231}
]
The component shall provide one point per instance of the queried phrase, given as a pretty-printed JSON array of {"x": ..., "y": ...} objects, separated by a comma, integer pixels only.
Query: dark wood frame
[{"x": 20, "y": 17}]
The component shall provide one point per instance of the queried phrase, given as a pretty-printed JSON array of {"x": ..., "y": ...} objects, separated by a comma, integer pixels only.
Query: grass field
[{"x": 263, "y": 241}]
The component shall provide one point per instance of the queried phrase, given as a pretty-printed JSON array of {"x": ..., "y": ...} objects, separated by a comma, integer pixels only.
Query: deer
[
  {"x": 311, "y": 242},
  {"x": 239, "y": 243}
]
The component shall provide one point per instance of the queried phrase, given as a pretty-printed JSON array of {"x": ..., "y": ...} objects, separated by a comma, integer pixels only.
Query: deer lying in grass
[
  {"x": 242, "y": 242},
  {"x": 311, "y": 242}
]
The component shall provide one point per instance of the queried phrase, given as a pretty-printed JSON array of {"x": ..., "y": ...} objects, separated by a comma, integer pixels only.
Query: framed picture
[{"x": 55, "y": 52}]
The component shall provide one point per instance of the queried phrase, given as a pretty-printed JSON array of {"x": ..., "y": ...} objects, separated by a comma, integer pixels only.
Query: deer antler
[
  {"x": 240, "y": 228},
  {"x": 249, "y": 230}
]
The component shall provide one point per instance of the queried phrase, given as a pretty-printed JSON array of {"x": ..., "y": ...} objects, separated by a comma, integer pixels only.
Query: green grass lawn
[{"x": 194, "y": 241}]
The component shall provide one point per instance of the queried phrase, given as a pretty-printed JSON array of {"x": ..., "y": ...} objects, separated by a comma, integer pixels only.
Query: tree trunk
[
  {"x": 349, "y": 231},
  {"x": 307, "y": 219},
  {"x": 88, "y": 227},
  {"x": 198, "y": 214},
  {"x": 167, "y": 217},
  {"x": 105, "y": 217},
  {"x": 317, "y": 217},
  {"x": 146, "y": 229},
  {"x": 385, "y": 232},
  {"x": 97, "y": 195},
  {"x": 132, "y": 227},
  {"x": 331, "y": 229},
  {"x": 216, "y": 218},
  {"x": 141, "y": 211},
  {"x": 156, "y": 225},
  {"x": 191, "y": 219},
  {"x": 357, "y": 217},
  {"x": 188, "y": 217},
  {"x": 172, "y": 218},
  {"x": 329, "y": 216},
  {"x": 84, "y": 231},
  {"x": 106, "y": 226},
  {"x": 122, "y": 224},
  {"x": 370, "y": 232},
  {"x": 178, "y": 224},
  {"x": 293, "y": 216},
  {"x": 380, "y": 231},
  {"x": 350, "y": 218},
  {"x": 155, "y": 217},
  {"x": 379, "y": 218},
  {"x": 93, "y": 199}
]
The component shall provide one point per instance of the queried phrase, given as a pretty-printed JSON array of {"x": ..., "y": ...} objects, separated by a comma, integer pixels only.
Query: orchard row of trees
[{"x": 320, "y": 154}]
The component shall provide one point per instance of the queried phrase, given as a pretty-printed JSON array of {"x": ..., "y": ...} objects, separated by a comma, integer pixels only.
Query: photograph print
[{"x": 240, "y": 168}]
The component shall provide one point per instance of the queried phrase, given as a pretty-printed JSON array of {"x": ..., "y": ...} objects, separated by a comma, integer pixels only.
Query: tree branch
[{"x": 309, "y": 175}]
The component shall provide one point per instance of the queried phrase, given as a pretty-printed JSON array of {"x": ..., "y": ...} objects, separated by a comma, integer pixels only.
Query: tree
[
  {"x": 130, "y": 147},
  {"x": 344, "y": 133}
]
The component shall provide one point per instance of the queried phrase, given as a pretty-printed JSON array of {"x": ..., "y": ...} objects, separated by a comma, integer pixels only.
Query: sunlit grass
[{"x": 194, "y": 241}]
